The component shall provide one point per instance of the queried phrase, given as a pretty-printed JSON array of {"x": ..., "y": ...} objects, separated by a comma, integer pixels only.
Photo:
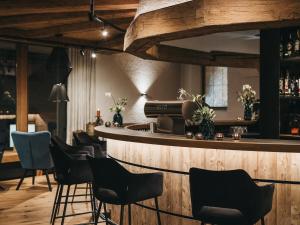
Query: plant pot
[
  {"x": 118, "y": 119},
  {"x": 247, "y": 112},
  {"x": 207, "y": 128}
]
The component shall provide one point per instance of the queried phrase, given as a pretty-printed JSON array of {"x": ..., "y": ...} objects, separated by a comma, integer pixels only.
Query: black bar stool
[
  {"x": 113, "y": 184},
  {"x": 70, "y": 169},
  {"x": 228, "y": 197}
]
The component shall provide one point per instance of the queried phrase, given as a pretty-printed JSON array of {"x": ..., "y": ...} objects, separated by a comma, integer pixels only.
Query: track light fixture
[
  {"x": 95, "y": 18},
  {"x": 82, "y": 52}
]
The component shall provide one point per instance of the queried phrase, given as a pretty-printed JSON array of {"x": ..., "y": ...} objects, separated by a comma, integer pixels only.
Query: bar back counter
[{"x": 266, "y": 160}]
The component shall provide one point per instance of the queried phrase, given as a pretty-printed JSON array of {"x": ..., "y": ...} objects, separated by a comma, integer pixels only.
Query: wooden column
[
  {"x": 22, "y": 87},
  {"x": 269, "y": 83}
]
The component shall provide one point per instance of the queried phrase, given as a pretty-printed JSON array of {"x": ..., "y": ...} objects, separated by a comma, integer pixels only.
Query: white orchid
[{"x": 203, "y": 112}]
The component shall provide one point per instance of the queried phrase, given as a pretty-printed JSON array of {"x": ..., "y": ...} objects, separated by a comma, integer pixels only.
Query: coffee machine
[{"x": 171, "y": 115}]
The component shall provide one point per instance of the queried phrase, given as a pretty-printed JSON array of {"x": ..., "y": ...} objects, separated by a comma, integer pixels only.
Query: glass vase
[
  {"x": 247, "y": 112},
  {"x": 207, "y": 128},
  {"x": 118, "y": 119}
]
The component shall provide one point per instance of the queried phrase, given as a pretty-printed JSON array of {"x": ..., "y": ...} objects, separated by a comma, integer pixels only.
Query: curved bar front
[{"x": 273, "y": 160}]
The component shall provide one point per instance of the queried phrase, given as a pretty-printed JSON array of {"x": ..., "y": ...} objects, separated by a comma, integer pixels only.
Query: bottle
[
  {"x": 281, "y": 48},
  {"x": 296, "y": 85},
  {"x": 287, "y": 88},
  {"x": 297, "y": 44},
  {"x": 281, "y": 84},
  {"x": 289, "y": 46},
  {"x": 292, "y": 86}
]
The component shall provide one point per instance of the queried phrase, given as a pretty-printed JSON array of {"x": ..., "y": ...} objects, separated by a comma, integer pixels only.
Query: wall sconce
[{"x": 144, "y": 94}]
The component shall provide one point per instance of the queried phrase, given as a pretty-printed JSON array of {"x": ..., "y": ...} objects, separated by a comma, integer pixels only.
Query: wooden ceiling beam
[
  {"x": 49, "y": 18},
  {"x": 189, "y": 56},
  {"x": 68, "y": 28},
  {"x": 17, "y": 7}
]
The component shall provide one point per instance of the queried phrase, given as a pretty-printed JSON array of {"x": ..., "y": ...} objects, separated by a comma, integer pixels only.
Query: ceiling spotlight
[
  {"x": 82, "y": 52},
  {"x": 93, "y": 55},
  {"x": 104, "y": 33}
]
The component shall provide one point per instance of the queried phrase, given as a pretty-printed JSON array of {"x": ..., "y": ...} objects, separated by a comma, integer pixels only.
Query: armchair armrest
[
  {"x": 267, "y": 197},
  {"x": 84, "y": 150},
  {"x": 145, "y": 186}
]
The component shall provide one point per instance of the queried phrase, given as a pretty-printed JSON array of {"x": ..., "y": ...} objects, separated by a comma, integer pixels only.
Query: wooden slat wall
[{"x": 176, "y": 197}]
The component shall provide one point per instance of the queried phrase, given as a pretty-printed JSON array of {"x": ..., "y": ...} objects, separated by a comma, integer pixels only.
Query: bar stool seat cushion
[
  {"x": 139, "y": 187},
  {"x": 224, "y": 216}
]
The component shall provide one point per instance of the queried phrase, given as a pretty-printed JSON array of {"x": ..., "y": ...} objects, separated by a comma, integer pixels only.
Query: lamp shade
[{"x": 59, "y": 93}]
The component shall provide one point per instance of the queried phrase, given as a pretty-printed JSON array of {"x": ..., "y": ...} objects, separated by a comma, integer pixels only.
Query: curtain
[{"x": 81, "y": 108}]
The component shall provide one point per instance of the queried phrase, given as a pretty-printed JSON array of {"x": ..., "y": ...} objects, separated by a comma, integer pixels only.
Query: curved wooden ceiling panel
[{"x": 201, "y": 17}]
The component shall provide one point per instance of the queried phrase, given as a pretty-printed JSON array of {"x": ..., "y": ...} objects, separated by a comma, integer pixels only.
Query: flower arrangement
[
  {"x": 247, "y": 96},
  {"x": 202, "y": 116},
  {"x": 118, "y": 107},
  {"x": 119, "y": 104},
  {"x": 203, "y": 112}
]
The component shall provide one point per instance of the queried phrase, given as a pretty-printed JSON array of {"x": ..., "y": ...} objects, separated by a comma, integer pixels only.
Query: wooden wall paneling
[
  {"x": 283, "y": 191},
  {"x": 22, "y": 87},
  {"x": 176, "y": 196},
  {"x": 295, "y": 189}
]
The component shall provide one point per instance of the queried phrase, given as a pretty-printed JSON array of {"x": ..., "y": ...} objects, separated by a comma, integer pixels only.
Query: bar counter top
[{"x": 260, "y": 145}]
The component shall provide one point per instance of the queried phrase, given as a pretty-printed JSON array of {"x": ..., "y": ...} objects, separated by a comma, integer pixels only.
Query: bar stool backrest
[
  {"x": 109, "y": 174},
  {"x": 227, "y": 189}
]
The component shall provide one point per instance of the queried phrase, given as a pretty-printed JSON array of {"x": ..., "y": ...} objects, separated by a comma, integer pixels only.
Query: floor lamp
[{"x": 58, "y": 95}]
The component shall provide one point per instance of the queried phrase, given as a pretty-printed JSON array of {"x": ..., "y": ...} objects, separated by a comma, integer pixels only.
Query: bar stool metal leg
[
  {"x": 105, "y": 212},
  {"x": 157, "y": 211},
  {"x": 98, "y": 213},
  {"x": 122, "y": 215},
  {"x": 65, "y": 206},
  {"x": 55, "y": 203},
  {"x": 75, "y": 188},
  {"x": 129, "y": 214}
]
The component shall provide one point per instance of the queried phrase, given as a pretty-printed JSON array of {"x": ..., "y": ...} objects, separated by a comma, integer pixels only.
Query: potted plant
[
  {"x": 117, "y": 108},
  {"x": 203, "y": 116},
  {"x": 247, "y": 98}
]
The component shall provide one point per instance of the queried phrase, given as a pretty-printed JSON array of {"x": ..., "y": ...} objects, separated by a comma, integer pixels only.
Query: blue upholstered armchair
[{"x": 34, "y": 153}]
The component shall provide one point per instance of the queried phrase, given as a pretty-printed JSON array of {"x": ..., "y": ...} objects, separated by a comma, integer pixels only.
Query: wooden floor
[{"x": 32, "y": 205}]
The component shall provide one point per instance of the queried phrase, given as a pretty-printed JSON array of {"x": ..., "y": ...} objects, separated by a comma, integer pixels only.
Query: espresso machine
[{"x": 171, "y": 115}]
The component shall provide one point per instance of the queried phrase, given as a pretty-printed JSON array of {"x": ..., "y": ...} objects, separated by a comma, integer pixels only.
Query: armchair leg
[
  {"x": 122, "y": 215},
  {"x": 262, "y": 221},
  {"x": 129, "y": 214},
  {"x": 157, "y": 211},
  {"x": 21, "y": 180},
  {"x": 48, "y": 180},
  {"x": 33, "y": 176}
]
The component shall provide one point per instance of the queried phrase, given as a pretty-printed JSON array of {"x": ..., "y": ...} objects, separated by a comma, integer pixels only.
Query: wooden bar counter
[{"x": 275, "y": 161}]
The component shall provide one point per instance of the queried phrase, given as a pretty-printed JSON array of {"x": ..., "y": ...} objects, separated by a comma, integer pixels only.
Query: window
[{"x": 216, "y": 86}]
